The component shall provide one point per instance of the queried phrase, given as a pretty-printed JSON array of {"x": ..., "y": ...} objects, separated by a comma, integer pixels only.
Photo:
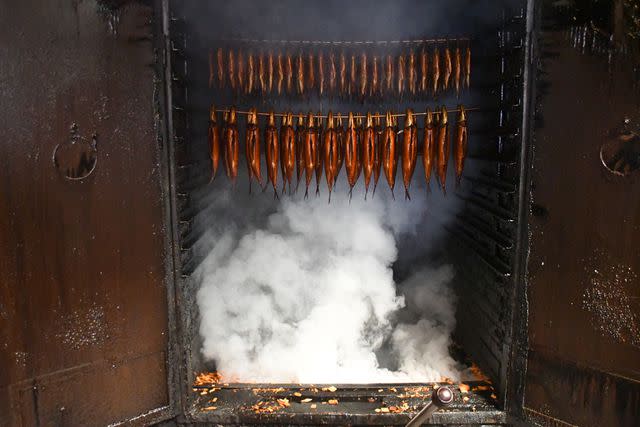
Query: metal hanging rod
[
  {"x": 348, "y": 42},
  {"x": 355, "y": 116}
]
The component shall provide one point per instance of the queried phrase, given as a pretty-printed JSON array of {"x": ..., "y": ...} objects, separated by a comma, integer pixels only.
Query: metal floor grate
[{"x": 371, "y": 404}]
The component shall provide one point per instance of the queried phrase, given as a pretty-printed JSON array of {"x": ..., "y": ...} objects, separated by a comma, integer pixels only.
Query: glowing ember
[
  {"x": 478, "y": 374},
  {"x": 283, "y": 402},
  {"x": 267, "y": 390},
  {"x": 404, "y": 406},
  {"x": 205, "y": 378}
]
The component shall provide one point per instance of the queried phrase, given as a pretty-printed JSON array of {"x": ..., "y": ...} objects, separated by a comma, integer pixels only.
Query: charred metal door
[
  {"x": 584, "y": 267},
  {"x": 83, "y": 295}
]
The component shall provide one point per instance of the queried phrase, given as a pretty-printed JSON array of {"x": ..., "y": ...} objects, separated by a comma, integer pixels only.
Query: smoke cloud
[{"x": 307, "y": 295}]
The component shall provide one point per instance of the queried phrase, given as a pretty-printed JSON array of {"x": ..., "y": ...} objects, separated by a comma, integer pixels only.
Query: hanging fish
[
  {"x": 401, "y": 74},
  {"x": 448, "y": 67},
  {"x": 288, "y": 150},
  {"x": 368, "y": 152},
  {"x": 388, "y": 75},
  {"x": 429, "y": 152},
  {"x": 360, "y": 134},
  {"x": 240, "y": 75},
  {"x": 300, "y": 73},
  {"x": 252, "y": 148},
  {"x": 460, "y": 143},
  {"x": 409, "y": 151},
  {"x": 424, "y": 70},
  {"x": 457, "y": 69},
  {"x": 412, "y": 73},
  {"x": 319, "y": 157},
  {"x": 321, "y": 66},
  {"x": 272, "y": 152},
  {"x": 443, "y": 148},
  {"x": 251, "y": 73},
  {"x": 310, "y": 142},
  {"x": 262, "y": 74},
  {"x": 289, "y": 73},
  {"x": 353, "y": 76},
  {"x": 435, "y": 65},
  {"x": 351, "y": 154},
  {"x": 375, "y": 76},
  {"x": 363, "y": 75},
  {"x": 213, "y": 137},
  {"x": 220, "y": 66},
  {"x": 280, "y": 73},
  {"x": 333, "y": 74},
  {"x": 270, "y": 72},
  {"x": 389, "y": 154},
  {"x": 230, "y": 141},
  {"x": 344, "y": 87},
  {"x": 341, "y": 136},
  {"x": 301, "y": 132},
  {"x": 330, "y": 153},
  {"x": 231, "y": 68},
  {"x": 467, "y": 67},
  {"x": 377, "y": 158},
  {"x": 311, "y": 75}
]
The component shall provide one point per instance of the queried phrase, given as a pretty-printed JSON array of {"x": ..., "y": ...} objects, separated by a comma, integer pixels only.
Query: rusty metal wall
[
  {"x": 584, "y": 267},
  {"x": 83, "y": 298}
]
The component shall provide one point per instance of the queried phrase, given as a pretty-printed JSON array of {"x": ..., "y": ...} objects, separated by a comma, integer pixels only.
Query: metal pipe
[{"x": 441, "y": 397}]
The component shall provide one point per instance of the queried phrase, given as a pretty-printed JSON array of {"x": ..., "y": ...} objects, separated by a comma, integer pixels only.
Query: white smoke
[{"x": 309, "y": 297}]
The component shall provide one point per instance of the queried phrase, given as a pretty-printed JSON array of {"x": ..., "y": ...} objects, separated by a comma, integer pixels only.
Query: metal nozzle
[{"x": 441, "y": 397}]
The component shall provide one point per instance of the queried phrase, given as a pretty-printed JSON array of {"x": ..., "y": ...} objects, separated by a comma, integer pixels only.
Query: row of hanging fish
[
  {"x": 369, "y": 148},
  {"x": 341, "y": 73}
]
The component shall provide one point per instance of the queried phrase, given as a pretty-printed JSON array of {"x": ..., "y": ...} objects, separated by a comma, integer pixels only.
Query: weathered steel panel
[
  {"x": 83, "y": 304},
  {"x": 584, "y": 288}
]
